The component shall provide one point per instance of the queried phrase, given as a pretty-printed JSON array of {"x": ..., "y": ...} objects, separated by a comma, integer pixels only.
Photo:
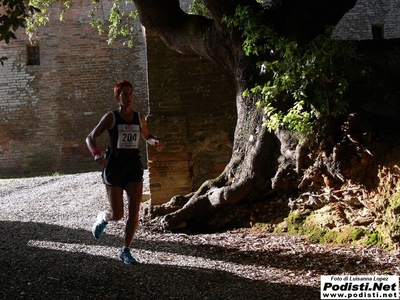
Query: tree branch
[{"x": 181, "y": 32}]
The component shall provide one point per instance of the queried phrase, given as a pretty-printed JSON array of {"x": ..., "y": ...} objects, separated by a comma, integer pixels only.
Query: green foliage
[
  {"x": 349, "y": 235},
  {"x": 390, "y": 227},
  {"x": 352, "y": 235},
  {"x": 6, "y": 181},
  {"x": 17, "y": 14},
  {"x": 310, "y": 79},
  {"x": 304, "y": 224},
  {"x": 294, "y": 223},
  {"x": 374, "y": 238},
  {"x": 12, "y": 17},
  {"x": 198, "y": 8},
  {"x": 120, "y": 21},
  {"x": 38, "y": 15}
]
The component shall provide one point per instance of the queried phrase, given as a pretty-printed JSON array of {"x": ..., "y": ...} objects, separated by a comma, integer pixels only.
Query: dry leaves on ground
[{"x": 48, "y": 252}]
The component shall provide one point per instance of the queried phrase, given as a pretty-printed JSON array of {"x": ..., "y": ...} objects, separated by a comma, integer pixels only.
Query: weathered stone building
[{"x": 50, "y": 103}]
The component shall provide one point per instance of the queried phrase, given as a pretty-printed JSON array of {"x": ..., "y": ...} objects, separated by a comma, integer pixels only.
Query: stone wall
[
  {"x": 47, "y": 110},
  {"x": 358, "y": 22}
]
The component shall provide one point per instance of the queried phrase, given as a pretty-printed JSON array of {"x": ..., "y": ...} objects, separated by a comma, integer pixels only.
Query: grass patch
[
  {"x": 7, "y": 181},
  {"x": 56, "y": 174},
  {"x": 390, "y": 227},
  {"x": 305, "y": 225}
]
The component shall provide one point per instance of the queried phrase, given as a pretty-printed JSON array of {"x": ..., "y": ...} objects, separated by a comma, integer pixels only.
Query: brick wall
[
  {"x": 357, "y": 23},
  {"x": 47, "y": 110},
  {"x": 192, "y": 108}
]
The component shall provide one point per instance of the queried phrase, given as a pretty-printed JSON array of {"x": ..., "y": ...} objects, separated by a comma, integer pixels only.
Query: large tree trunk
[
  {"x": 256, "y": 167},
  {"x": 253, "y": 163}
]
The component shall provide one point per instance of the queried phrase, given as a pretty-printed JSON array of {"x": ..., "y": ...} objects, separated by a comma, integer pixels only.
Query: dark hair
[{"x": 120, "y": 84}]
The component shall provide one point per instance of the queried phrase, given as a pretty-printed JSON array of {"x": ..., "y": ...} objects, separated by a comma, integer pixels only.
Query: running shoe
[
  {"x": 126, "y": 256},
  {"x": 99, "y": 225}
]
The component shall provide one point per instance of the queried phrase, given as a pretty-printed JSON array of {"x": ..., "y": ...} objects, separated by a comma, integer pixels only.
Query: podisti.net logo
[{"x": 360, "y": 287}]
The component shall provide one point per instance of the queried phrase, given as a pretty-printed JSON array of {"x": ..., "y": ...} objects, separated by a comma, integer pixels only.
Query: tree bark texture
[{"x": 257, "y": 166}]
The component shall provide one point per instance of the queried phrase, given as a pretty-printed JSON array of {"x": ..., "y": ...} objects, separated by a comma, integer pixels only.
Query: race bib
[{"x": 128, "y": 136}]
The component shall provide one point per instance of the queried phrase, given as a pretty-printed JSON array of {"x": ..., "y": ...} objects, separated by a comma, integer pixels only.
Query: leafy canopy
[
  {"x": 120, "y": 21},
  {"x": 15, "y": 14},
  {"x": 310, "y": 79},
  {"x": 12, "y": 17},
  {"x": 197, "y": 8}
]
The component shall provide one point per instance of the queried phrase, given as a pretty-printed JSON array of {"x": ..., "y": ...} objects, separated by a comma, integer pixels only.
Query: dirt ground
[{"x": 47, "y": 251}]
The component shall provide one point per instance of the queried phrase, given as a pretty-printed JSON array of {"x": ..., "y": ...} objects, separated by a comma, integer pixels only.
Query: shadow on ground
[{"x": 30, "y": 272}]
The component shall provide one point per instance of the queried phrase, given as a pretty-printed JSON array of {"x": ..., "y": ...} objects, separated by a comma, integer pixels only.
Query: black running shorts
[{"x": 121, "y": 170}]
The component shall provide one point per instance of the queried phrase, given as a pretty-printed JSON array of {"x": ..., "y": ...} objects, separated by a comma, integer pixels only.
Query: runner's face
[{"x": 126, "y": 97}]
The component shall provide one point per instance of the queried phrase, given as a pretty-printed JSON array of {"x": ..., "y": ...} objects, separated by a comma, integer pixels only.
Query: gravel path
[{"x": 47, "y": 252}]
